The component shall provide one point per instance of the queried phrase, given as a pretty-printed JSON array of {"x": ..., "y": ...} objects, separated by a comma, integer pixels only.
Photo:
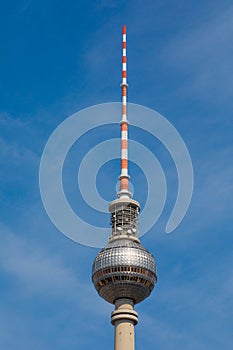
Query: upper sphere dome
[{"x": 124, "y": 269}]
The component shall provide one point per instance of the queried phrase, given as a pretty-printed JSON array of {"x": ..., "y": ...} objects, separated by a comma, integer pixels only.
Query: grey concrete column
[{"x": 124, "y": 318}]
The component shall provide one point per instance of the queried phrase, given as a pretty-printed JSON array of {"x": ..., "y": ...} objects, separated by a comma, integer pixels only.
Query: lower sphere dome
[{"x": 124, "y": 269}]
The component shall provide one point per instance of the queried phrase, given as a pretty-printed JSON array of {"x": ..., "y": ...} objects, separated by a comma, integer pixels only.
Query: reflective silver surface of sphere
[{"x": 124, "y": 269}]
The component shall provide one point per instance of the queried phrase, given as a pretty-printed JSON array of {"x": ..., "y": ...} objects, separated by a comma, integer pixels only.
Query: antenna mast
[{"x": 124, "y": 176}]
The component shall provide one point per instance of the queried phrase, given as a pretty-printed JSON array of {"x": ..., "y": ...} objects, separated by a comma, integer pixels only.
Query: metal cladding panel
[
  {"x": 124, "y": 268},
  {"x": 124, "y": 252}
]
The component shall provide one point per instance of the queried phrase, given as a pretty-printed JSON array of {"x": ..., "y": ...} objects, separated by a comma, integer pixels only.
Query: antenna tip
[{"x": 124, "y": 29}]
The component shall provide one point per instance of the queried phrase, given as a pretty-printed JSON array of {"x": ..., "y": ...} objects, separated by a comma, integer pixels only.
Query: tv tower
[{"x": 124, "y": 272}]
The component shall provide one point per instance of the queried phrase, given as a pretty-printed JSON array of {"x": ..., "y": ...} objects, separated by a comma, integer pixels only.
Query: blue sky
[{"x": 59, "y": 57}]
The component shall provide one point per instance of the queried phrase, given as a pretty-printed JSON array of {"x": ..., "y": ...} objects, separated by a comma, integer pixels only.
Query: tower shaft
[{"x": 124, "y": 318}]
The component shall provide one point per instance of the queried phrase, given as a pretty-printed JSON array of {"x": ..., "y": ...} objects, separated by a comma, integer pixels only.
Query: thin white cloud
[
  {"x": 34, "y": 276},
  {"x": 199, "y": 301},
  {"x": 204, "y": 56},
  {"x": 34, "y": 270},
  {"x": 41, "y": 273}
]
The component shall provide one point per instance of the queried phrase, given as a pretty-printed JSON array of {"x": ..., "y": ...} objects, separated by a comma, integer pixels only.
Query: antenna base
[{"x": 124, "y": 194}]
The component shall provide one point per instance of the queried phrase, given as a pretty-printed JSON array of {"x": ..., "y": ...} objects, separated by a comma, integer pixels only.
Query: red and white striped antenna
[{"x": 124, "y": 176}]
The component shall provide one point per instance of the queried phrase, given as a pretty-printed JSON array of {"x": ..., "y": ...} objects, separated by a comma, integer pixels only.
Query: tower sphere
[{"x": 124, "y": 269}]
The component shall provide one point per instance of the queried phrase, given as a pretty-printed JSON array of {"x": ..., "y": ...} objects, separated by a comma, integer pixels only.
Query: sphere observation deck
[{"x": 124, "y": 268}]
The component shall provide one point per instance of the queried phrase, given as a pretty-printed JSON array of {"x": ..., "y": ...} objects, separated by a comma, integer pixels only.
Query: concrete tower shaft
[{"x": 124, "y": 318}]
